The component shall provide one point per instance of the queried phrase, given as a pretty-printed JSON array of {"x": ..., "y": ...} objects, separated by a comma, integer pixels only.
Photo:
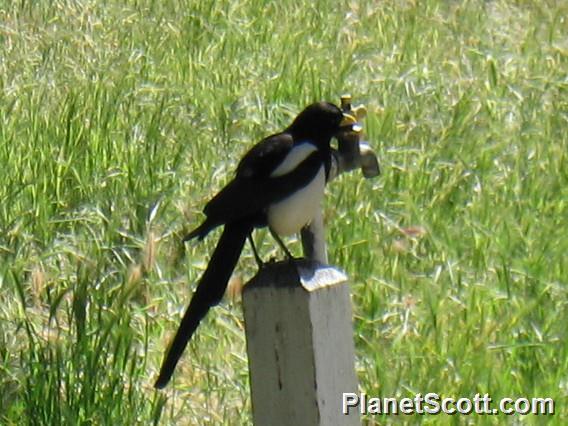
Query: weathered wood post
[
  {"x": 300, "y": 345},
  {"x": 299, "y": 329}
]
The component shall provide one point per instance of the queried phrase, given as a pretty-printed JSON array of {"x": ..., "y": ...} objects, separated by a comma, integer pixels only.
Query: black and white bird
[{"x": 279, "y": 183}]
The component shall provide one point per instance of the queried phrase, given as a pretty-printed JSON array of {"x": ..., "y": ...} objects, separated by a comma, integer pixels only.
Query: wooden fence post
[{"x": 299, "y": 332}]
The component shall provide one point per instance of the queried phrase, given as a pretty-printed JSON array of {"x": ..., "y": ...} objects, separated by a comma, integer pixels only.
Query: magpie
[{"x": 278, "y": 183}]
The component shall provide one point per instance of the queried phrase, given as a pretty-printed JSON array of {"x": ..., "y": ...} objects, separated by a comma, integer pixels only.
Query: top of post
[{"x": 304, "y": 273}]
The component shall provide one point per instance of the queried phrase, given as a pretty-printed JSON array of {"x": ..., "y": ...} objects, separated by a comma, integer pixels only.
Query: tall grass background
[{"x": 119, "y": 119}]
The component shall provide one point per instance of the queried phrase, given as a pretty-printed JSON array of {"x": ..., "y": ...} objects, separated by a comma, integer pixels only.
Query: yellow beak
[
  {"x": 353, "y": 117},
  {"x": 348, "y": 120}
]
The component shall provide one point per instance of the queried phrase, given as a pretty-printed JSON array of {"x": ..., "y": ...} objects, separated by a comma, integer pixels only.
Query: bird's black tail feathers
[{"x": 209, "y": 291}]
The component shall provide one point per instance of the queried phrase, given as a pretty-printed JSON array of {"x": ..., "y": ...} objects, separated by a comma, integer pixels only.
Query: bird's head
[{"x": 319, "y": 121}]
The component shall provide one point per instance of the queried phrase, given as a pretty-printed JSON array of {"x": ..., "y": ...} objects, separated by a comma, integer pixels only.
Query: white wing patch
[{"x": 296, "y": 155}]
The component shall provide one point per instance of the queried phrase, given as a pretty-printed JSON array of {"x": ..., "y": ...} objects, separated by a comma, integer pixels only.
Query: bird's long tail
[{"x": 209, "y": 293}]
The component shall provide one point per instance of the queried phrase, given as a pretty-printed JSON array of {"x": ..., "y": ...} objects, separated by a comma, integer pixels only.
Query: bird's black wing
[
  {"x": 265, "y": 156},
  {"x": 249, "y": 197},
  {"x": 253, "y": 189}
]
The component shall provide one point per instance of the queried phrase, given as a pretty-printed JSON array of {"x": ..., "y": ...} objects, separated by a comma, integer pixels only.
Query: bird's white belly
[{"x": 293, "y": 213}]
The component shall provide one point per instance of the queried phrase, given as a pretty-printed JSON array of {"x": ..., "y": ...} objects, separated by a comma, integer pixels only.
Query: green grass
[{"x": 119, "y": 119}]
